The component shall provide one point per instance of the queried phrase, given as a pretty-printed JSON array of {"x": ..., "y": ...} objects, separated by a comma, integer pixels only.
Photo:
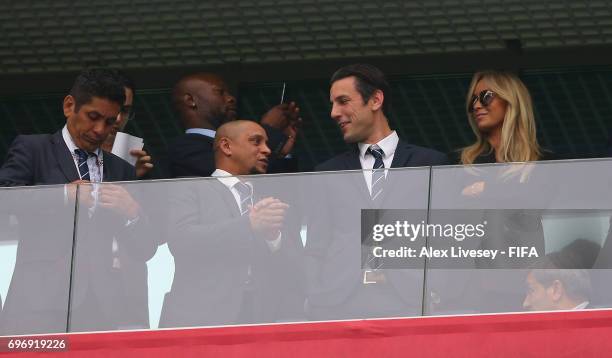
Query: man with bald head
[
  {"x": 227, "y": 244},
  {"x": 203, "y": 103}
]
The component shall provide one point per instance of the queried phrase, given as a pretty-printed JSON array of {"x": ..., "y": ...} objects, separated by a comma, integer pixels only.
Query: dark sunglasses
[{"x": 485, "y": 98}]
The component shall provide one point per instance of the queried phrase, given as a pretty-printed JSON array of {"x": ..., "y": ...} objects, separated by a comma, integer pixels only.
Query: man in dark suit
[
  {"x": 108, "y": 289},
  {"x": 229, "y": 253},
  {"x": 338, "y": 289},
  {"x": 203, "y": 102}
]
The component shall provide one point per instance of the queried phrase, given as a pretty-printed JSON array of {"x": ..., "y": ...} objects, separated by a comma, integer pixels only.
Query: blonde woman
[{"x": 500, "y": 112}]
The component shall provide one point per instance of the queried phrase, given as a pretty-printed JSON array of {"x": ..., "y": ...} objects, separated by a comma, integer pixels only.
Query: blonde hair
[{"x": 518, "y": 135}]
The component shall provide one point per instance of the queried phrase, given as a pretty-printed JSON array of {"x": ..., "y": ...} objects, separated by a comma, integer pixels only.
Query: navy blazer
[
  {"x": 40, "y": 159},
  {"x": 38, "y": 296},
  {"x": 406, "y": 155},
  {"x": 213, "y": 248},
  {"x": 333, "y": 248}
]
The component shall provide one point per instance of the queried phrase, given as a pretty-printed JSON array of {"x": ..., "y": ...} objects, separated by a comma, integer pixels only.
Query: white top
[
  {"x": 230, "y": 182},
  {"x": 388, "y": 145}
]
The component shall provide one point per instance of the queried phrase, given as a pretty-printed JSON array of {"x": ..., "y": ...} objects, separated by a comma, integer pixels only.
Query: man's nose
[
  {"x": 335, "y": 112},
  {"x": 266, "y": 150},
  {"x": 100, "y": 127}
]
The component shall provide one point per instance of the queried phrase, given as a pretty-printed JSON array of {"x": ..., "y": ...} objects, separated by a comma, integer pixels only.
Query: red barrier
[{"x": 557, "y": 334}]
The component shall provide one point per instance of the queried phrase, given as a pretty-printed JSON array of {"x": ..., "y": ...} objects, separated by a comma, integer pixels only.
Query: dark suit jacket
[
  {"x": 42, "y": 159},
  {"x": 213, "y": 247},
  {"x": 38, "y": 296},
  {"x": 333, "y": 250},
  {"x": 191, "y": 155}
]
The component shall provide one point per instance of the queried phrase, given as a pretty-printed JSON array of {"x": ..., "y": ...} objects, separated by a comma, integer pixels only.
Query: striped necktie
[
  {"x": 378, "y": 171},
  {"x": 246, "y": 197},
  {"x": 83, "y": 167}
]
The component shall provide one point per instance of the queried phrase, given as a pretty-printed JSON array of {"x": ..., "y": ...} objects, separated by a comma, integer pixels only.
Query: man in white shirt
[{"x": 227, "y": 244}]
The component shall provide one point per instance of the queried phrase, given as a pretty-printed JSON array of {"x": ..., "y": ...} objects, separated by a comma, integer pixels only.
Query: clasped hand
[
  {"x": 110, "y": 196},
  {"x": 267, "y": 217}
]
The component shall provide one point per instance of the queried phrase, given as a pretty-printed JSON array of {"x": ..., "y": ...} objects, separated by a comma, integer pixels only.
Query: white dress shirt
[
  {"x": 230, "y": 182},
  {"x": 388, "y": 145}
]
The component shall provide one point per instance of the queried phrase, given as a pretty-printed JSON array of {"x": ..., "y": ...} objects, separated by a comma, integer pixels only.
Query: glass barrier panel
[
  {"x": 533, "y": 237},
  {"x": 254, "y": 249},
  {"x": 36, "y": 236},
  {"x": 118, "y": 229}
]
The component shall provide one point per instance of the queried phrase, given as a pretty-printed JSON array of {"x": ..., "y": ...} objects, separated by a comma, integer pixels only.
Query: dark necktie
[
  {"x": 83, "y": 167},
  {"x": 378, "y": 171},
  {"x": 246, "y": 197}
]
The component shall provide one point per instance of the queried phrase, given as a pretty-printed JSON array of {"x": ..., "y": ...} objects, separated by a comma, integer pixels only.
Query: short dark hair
[
  {"x": 368, "y": 79},
  {"x": 565, "y": 267},
  {"x": 126, "y": 81},
  {"x": 97, "y": 82}
]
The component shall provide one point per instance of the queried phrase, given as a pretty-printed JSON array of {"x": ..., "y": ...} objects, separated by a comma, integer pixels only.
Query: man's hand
[
  {"x": 119, "y": 200},
  {"x": 286, "y": 118},
  {"x": 267, "y": 217},
  {"x": 474, "y": 190},
  {"x": 291, "y": 132},
  {"x": 282, "y": 115},
  {"x": 143, "y": 163}
]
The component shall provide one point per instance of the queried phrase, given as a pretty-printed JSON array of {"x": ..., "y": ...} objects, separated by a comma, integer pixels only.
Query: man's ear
[
  {"x": 225, "y": 146},
  {"x": 189, "y": 100},
  {"x": 376, "y": 100},
  {"x": 69, "y": 106},
  {"x": 557, "y": 290}
]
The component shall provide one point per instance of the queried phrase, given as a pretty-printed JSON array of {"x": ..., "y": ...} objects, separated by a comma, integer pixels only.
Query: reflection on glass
[
  {"x": 215, "y": 266},
  {"x": 38, "y": 223},
  {"x": 559, "y": 209}
]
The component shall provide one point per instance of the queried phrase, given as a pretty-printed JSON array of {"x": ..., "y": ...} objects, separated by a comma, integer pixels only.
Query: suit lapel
[
  {"x": 353, "y": 163},
  {"x": 108, "y": 174},
  {"x": 400, "y": 158},
  {"x": 226, "y": 195},
  {"x": 64, "y": 158}
]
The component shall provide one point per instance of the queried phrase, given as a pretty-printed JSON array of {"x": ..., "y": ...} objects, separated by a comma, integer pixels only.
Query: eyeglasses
[{"x": 485, "y": 98}]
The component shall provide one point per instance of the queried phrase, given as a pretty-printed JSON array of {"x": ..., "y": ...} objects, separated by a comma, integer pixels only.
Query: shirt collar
[
  {"x": 387, "y": 144},
  {"x": 581, "y": 306},
  {"x": 202, "y": 131},
  {"x": 70, "y": 143},
  {"x": 225, "y": 178}
]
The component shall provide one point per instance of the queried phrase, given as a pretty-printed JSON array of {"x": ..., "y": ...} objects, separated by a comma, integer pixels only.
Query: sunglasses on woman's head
[{"x": 485, "y": 97}]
